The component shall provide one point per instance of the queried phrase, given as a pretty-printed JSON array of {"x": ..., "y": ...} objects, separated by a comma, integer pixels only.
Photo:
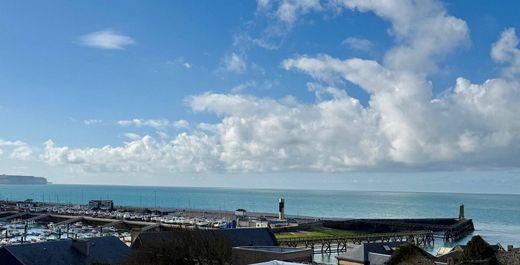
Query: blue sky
[{"x": 224, "y": 93}]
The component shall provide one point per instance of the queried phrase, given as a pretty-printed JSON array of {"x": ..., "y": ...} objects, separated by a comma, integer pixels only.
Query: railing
[{"x": 326, "y": 243}]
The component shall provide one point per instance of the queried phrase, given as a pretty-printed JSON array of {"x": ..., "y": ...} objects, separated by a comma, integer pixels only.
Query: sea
[{"x": 496, "y": 216}]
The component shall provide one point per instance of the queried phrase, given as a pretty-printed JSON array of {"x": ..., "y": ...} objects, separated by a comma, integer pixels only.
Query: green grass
[{"x": 324, "y": 232}]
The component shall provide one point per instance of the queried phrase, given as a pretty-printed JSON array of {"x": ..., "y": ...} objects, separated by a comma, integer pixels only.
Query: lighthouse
[{"x": 281, "y": 209}]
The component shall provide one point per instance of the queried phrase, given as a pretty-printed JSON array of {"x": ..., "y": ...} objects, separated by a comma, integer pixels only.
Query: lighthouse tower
[{"x": 281, "y": 209}]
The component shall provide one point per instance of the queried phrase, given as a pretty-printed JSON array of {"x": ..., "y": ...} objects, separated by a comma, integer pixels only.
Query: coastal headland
[{"x": 22, "y": 180}]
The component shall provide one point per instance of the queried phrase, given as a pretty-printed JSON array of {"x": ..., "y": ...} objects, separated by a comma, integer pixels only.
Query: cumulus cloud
[
  {"x": 505, "y": 51},
  {"x": 185, "y": 153},
  {"x": 11, "y": 143},
  {"x": 181, "y": 124},
  {"x": 423, "y": 30},
  {"x": 403, "y": 126},
  {"x": 17, "y": 149},
  {"x": 22, "y": 153},
  {"x": 106, "y": 39},
  {"x": 161, "y": 124}
]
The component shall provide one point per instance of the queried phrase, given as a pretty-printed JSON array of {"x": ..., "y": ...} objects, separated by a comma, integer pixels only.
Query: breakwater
[{"x": 451, "y": 229}]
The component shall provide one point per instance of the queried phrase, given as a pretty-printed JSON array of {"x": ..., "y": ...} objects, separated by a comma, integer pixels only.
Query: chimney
[
  {"x": 81, "y": 245},
  {"x": 281, "y": 209},
  {"x": 461, "y": 212}
]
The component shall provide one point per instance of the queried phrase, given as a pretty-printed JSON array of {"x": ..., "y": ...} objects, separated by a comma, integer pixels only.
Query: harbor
[{"x": 31, "y": 221}]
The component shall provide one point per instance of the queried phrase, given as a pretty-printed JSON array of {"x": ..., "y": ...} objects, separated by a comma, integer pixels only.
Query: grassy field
[{"x": 320, "y": 233}]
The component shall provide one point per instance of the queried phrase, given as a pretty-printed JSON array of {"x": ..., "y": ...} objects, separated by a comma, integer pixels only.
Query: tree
[
  {"x": 185, "y": 247},
  {"x": 409, "y": 254},
  {"x": 478, "y": 250}
]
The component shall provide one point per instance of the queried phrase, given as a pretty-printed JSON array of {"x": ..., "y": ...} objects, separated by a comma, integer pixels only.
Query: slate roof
[
  {"x": 455, "y": 251},
  {"x": 102, "y": 249},
  {"x": 238, "y": 237},
  {"x": 250, "y": 237},
  {"x": 360, "y": 253}
]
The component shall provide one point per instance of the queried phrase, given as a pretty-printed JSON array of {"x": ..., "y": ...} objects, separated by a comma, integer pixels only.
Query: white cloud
[
  {"x": 403, "y": 126},
  {"x": 181, "y": 124},
  {"x": 505, "y": 51},
  {"x": 181, "y": 62},
  {"x": 233, "y": 63},
  {"x": 22, "y": 153},
  {"x": 161, "y": 124},
  {"x": 185, "y": 153},
  {"x": 91, "y": 122},
  {"x": 243, "y": 86},
  {"x": 288, "y": 11},
  {"x": 359, "y": 44},
  {"x": 423, "y": 30},
  {"x": 281, "y": 16},
  {"x": 106, "y": 39},
  {"x": 11, "y": 143},
  {"x": 18, "y": 149},
  {"x": 132, "y": 136}
]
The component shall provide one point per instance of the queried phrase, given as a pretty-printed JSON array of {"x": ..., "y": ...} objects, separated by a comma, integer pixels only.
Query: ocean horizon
[
  {"x": 496, "y": 216},
  {"x": 273, "y": 188}
]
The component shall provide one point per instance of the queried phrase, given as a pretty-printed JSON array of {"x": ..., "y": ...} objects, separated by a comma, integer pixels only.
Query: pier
[
  {"x": 449, "y": 229},
  {"x": 325, "y": 245}
]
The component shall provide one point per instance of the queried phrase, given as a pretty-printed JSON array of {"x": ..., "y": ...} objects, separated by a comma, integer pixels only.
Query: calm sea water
[{"x": 496, "y": 217}]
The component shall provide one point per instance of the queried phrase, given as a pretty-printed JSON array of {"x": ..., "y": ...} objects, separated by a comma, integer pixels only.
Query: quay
[{"x": 449, "y": 229}]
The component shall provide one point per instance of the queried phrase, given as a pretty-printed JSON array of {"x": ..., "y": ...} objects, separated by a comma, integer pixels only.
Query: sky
[{"x": 332, "y": 94}]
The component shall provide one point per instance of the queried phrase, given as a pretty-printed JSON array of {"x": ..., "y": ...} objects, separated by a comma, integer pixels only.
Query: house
[
  {"x": 509, "y": 257},
  {"x": 377, "y": 253},
  {"x": 107, "y": 250},
  {"x": 448, "y": 255},
  {"x": 255, "y": 254},
  {"x": 238, "y": 237}
]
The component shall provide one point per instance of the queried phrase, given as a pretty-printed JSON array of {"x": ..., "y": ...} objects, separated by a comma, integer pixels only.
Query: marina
[{"x": 44, "y": 222}]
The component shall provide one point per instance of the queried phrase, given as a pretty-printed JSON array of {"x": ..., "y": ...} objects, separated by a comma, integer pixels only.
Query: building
[
  {"x": 250, "y": 237},
  {"x": 106, "y": 205},
  {"x": 369, "y": 254},
  {"x": 448, "y": 255},
  {"x": 511, "y": 256},
  {"x": 106, "y": 250},
  {"x": 256, "y": 254},
  {"x": 237, "y": 237}
]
